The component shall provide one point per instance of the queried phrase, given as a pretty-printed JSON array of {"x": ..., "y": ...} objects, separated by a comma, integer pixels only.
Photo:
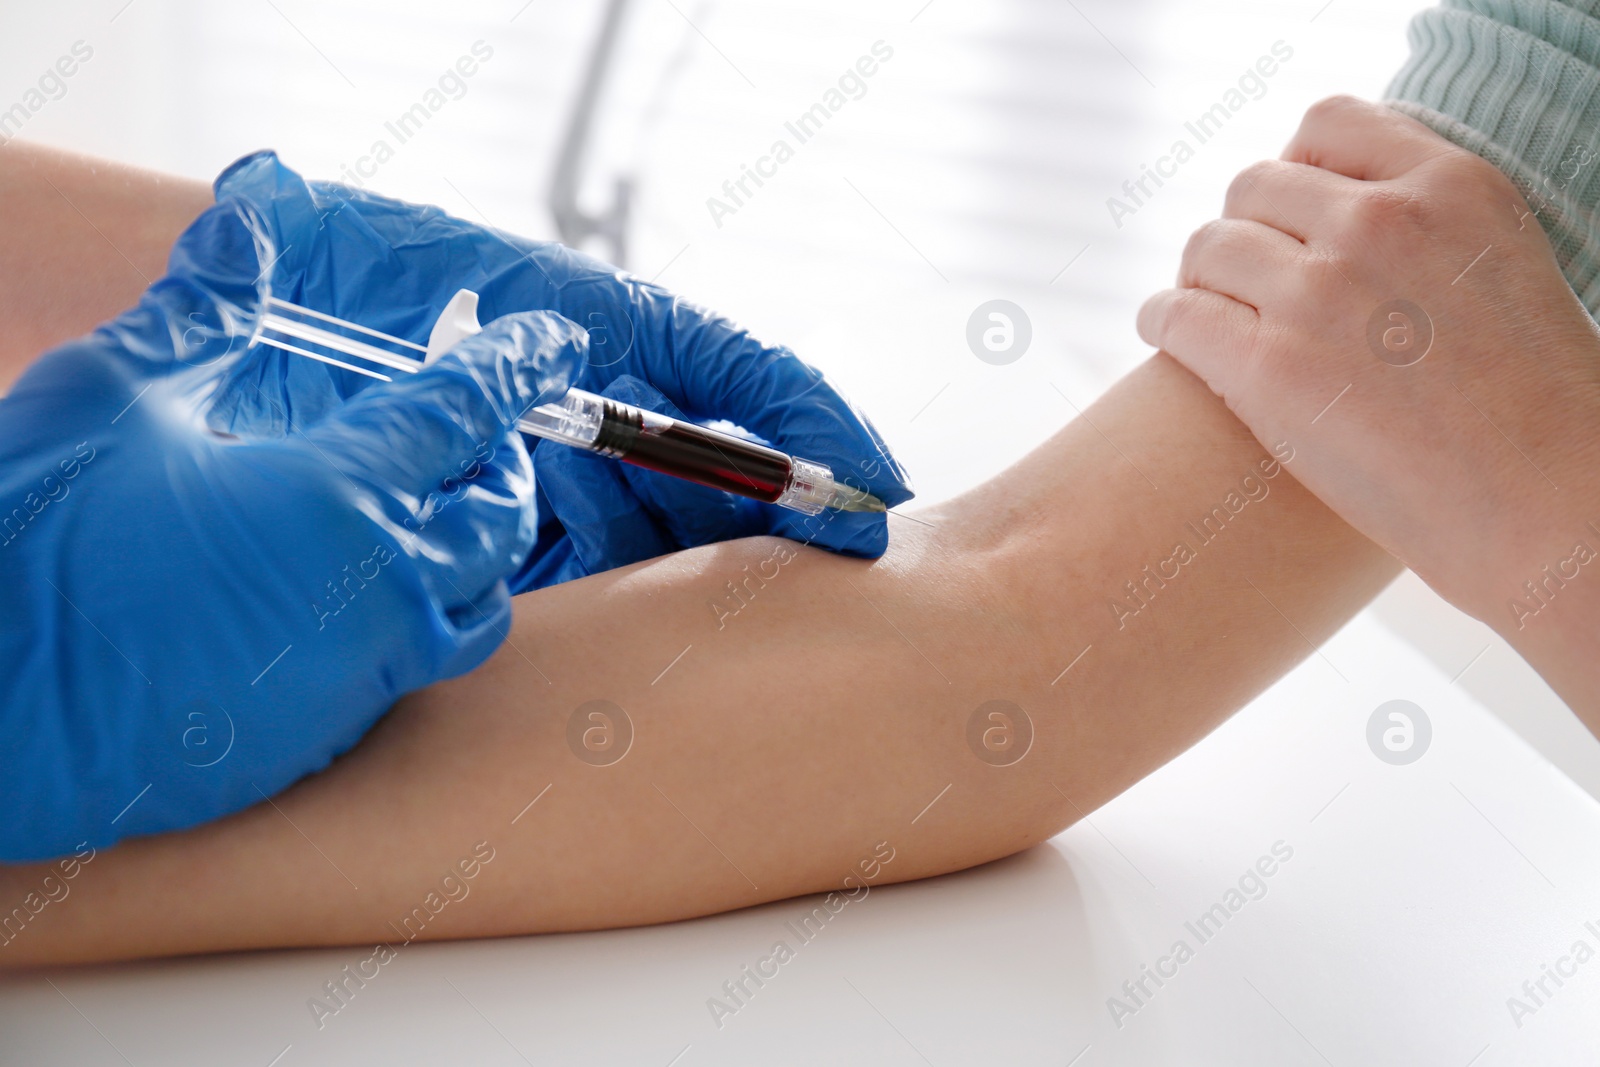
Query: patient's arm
[{"x": 776, "y": 747}]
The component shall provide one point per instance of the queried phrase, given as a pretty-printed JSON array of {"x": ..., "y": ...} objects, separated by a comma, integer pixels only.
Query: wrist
[
  {"x": 1534, "y": 543},
  {"x": 1542, "y": 593}
]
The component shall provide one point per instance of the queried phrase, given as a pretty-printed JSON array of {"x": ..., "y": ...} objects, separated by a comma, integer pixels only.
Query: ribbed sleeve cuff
[{"x": 1518, "y": 82}]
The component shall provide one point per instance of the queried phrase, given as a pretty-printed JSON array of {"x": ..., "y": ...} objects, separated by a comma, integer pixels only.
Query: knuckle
[
  {"x": 1335, "y": 107},
  {"x": 1208, "y": 236},
  {"x": 1247, "y": 182},
  {"x": 1469, "y": 191},
  {"x": 1381, "y": 209},
  {"x": 1470, "y": 174}
]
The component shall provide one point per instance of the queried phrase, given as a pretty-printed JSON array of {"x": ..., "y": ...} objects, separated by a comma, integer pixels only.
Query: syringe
[
  {"x": 658, "y": 442},
  {"x": 586, "y": 420}
]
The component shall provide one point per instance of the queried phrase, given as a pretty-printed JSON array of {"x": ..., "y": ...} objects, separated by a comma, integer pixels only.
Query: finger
[
  {"x": 605, "y": 523},
  {"x": 1298, "y": 199},
  {"x": 225, "y": 253},
  {"x": 269, "y": 382},
  {"x": 221, "y": 271},
  {"x": 1203, "y": 330},
  {"x": 1248, "y": 261},
  {"x": 1362, "y": 140},
  {"x": 219, "y": 281},
  {"x": 550, "y": 560},
  {"x": 548, "y": 564},
  {"x": 288, "y": 205},
  {"x": 411, "y": 434},
  {"x": 474, "y": 531}
]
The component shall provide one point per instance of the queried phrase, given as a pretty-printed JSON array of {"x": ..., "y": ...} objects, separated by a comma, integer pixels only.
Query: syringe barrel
[{"x": 684, "y": 450}]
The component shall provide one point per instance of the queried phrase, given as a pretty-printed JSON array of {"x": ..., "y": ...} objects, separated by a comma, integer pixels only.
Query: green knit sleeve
[{"x": 1518, "y": 82}]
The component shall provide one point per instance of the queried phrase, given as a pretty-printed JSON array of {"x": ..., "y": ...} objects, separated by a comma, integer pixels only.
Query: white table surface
[{"x": 1417, "y": 900}]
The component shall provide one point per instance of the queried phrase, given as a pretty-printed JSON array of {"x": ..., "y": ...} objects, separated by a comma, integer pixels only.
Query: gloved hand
[
  {"x": 189, "y": 622},
  {"x": 393, "y": 266}
]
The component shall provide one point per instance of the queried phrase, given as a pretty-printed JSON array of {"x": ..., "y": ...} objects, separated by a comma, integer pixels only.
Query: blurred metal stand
[{"x": 575, "y": 225}]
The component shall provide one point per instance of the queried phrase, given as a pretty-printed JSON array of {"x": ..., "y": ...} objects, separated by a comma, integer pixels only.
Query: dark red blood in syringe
[{"x": 695, "y": 453}]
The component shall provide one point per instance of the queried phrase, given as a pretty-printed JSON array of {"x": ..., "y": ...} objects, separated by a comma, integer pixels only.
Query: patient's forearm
[
  {"x": 80, "y": 240},
  {"x": 777, "y": 745}
]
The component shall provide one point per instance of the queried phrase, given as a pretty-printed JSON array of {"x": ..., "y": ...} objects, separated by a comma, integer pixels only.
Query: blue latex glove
[
  {"x": 189, "y": 622},
  {"x": 393, "y": 266}
]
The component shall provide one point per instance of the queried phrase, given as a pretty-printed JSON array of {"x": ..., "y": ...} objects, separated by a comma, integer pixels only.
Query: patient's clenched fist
[{"x": 1384, "y": 301}]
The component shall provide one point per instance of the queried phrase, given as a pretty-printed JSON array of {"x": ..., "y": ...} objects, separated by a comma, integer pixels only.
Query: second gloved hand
[{"x": 393, "y": 266}]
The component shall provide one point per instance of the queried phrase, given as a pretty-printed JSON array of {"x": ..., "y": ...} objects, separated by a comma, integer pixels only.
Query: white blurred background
[{"x": 977, "y": 165}]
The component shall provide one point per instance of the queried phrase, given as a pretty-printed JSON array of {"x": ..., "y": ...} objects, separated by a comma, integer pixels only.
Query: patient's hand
[{"x": 1388, "y": 304}]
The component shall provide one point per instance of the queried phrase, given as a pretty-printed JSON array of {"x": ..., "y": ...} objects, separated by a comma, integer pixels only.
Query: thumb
[{"x": 412, "y": 434}]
